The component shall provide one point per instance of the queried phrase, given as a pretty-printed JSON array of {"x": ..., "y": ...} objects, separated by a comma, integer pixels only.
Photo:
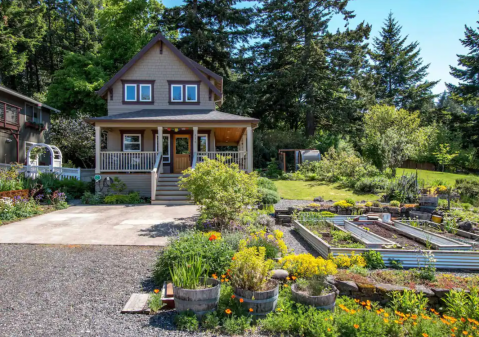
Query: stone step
[{"x": 171, "y": 202}]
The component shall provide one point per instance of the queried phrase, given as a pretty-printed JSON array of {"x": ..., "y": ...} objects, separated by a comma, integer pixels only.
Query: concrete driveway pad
[{"x": 135, "y": 225}]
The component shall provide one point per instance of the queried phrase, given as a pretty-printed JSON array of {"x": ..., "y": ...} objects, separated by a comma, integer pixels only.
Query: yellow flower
[
  {"x": 386, "y": 320},
  {"x": 386, "y": 314},
  {"x": 228, "y": 311},
  {"x": 156, "y": 291},
  {"x": 425, "y": 335}
]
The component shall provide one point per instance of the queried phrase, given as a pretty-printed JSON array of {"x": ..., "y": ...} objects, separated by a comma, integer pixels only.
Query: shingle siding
[{"x": 161, "y": 68}]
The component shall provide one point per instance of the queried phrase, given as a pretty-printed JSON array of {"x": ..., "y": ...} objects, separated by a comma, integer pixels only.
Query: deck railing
[
  {"x": 157, "y": 169},
  {"x": 9, "y": 115},
  {"x": 237, "y": 157},
  {"x": 127, "y": 161}
]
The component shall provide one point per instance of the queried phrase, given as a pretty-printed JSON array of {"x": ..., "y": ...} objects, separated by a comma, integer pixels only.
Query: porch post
[
  {"x": 195, "y": 140},
  {"x": 249, "y": 135},
  {"x": 160, "y": 142},
  {"x": 97, "y": 149}
]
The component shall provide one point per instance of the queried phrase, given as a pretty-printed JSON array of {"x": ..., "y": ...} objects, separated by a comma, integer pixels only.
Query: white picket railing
[
  {"x": 127, "y": 161},
  {"x": 238, "y": 157},
  {"x": 34, "y": 171}
]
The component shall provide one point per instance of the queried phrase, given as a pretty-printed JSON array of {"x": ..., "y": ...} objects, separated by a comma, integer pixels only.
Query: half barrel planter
[
  {"x": 200, "y": 301},
  {"x": 262, "y": 302},
  {"x": 324, "y": 302}
]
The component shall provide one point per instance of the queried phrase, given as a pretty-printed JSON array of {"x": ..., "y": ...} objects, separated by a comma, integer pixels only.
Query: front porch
[{"x": 134, "y": 150}]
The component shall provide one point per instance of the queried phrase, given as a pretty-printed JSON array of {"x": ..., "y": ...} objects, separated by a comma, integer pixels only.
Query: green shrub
[
  {"x": 377, "y": 204},
  {"x": 268, "y": 196},
  {"x": 92, "y": 198},
  {"x": 468, "y": 190},
  {"x": 11, "y": 209},
  {"x": 266, "y": 183},
  {"x": 210, "y": 321},
  {"x": 461, "y": 304},
  {"x": 374, "y": 260},
  {"x": 236, "y": 325},
  {"x": 132, "y": 198},
  {"x": 73, "y": 188},
  {"x": 187, "y": 321},
  {"x": 216, "y": 254},
  {"x": 351, "y": 201},
  {"x": 221, "y": 190},
  {"x": 403, "y": 189},
  {"x": 371, "y": 185},
  {"x": 10, "y": 180},
  {"x": 394, "y": 203},
  {"x": 408, "y": 301}
]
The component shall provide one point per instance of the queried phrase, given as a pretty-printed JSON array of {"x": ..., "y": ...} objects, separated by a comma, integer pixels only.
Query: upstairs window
[
  {"x": 138, "y": 92},
  {"x": 33, "y": 114},
  {"x": 184, "y": 92}
]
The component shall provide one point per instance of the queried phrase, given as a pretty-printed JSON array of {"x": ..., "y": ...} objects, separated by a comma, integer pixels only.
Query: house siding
[
  {"x": 135, "y": 182},
  {"x": 161, "y": 68},
  {"x": 8, "y": 151}
]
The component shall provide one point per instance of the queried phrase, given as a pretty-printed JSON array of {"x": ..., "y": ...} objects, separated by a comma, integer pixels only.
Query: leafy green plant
[
  {"x": 89, "y": 198},
  {"x": 363, "y": 271},
  {"x": 461, "y": 304},
  {"x": 210, "y": 321},
  {"x": 118, "y": 186},
  {"x": 187, "y": 321},
  {"x": 268, "y": 196},
  {"x": 11, "y": 180},
  {"x": 215, "y": 254},
  {"x": 374, "y": 260},
  {"x": 132, "y": 198},
  {"x": 249, "y": 270},
  {"x": 371, "y": 185},
  {"x": 267, "y": 184},
  {"x": 221, "y": 190},
  {"x": 17, "y": 208},
  {"x": 394, "y": 203},
  {"x": 155, "y": 303},
  {"x": 408, "y": 301},
  {"x": 395, "y": 263},
  {"x": 377, "y": 204},
  {"x": 190, "y": 273},
  {"x": 236, "y": 325},
  {"x": 428, "y": 272},
  {"x": 403, "y": 189}
]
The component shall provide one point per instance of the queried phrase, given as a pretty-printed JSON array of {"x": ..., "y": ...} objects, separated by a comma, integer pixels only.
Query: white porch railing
[
  {"x": 237, "y": 157},
  {"x": 157, "y": 169},
  {"x": 127, "y": 161}
]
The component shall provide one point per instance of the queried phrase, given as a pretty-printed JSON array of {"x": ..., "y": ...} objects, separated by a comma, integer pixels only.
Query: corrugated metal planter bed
[
  {"x": 456, "y": 234},
  {"x": 445, "y": 259}
]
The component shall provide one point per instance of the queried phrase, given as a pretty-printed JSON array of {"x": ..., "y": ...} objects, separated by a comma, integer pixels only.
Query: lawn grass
[
  {"x": 430, "y": 177},
  {"x": 308, "y": 190}
]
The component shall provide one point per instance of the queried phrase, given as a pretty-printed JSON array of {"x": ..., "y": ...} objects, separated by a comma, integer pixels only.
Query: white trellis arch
[{"x": 55, "y": 161}]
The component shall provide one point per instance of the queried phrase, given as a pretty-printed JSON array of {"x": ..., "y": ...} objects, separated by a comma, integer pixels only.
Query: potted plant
[
  {"x": 192, "y": 289},
  {"x": 250, "y": 278},
  {"x": 315, "y": 292}
]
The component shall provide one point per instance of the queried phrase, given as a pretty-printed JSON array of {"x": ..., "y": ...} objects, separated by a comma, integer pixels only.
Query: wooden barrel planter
[
  {"x": 262, "y": 302},
  {"x": 325, "y": 302},
  {"x": 200, "y": 301}
]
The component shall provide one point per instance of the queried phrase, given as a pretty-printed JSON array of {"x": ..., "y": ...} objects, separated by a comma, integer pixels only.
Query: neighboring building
[
  {"x": 162, "y": 100},
  {"x": 23, "y": 122}
]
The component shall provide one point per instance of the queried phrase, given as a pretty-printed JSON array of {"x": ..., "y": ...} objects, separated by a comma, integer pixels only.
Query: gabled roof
[
  {"x": 26, "y": 98},
  {"x": 196, "y": 68},
  {"x": 175, "y": 116}
]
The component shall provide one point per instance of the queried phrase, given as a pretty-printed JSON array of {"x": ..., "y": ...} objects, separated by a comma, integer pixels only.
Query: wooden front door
[{"x": 181, "y": 152}]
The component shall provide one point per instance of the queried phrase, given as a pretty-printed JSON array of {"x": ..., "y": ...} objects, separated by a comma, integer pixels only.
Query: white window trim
[
  {"x": 166, "y": 159},
  {"x": 186, "y": 93},
  {"x": 124, "y": 143},
  {"x": 126, "y": 93},
  {"x": 151, "y": 93},
  {"x": 203, "y": 135},
  {"x": 181, "y": 89}
]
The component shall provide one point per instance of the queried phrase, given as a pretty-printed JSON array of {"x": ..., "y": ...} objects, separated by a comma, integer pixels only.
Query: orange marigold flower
[
  {"x": 329, "y": 329},
  {"x": 241, "y": 300},
  {"x": 363, "y": 303},
  {"x": 368, "y": 307},
  {"x": 465, "y": 333},
  {"x": 356, "y": 300},
  {"x": 414, "y": 316},
  {"x": 214, "y": 276},
  {"x": 212, "y": 237},
  {"x": 353, "y": 311},
  {"x": 156, "y": 291},
  {"x": 233, "y": 258},
  {"x": 386, "y": 314},
  {"x": 228, "y": 311},
  {"x": 227, "y": 280},
  {"x": 233, "y": 296},
  {"x": 293, "y": 277},
  {"x": 414, "y": 323},
  {"x": 223, "y": 276},
  {"x": 285, "y": 285},
  {"x": 356, "y": 326},
  {"x": 463, "y": 320},
  {"x": 222, "y": 280},
  {"x": 425, "y": 335},
  {"x": 250, "y": 309},
  {"x": 385, "y": 320},
  {"x": 287, "y": 278}
]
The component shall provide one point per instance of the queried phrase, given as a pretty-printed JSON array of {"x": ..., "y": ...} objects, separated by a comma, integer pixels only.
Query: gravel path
[
  {"x": 77, "y": 291},
  {"x": 295, "y": 241}
]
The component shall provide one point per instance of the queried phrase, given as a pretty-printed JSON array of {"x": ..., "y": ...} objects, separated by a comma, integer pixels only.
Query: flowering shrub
[
  {"x": 343, "y": 204},
  {"x": 344, "y": 261},
  {"x": 212, "y": 235},
  {"x": 58, "y": 200},
  {"x": 249, "y": 270},
  {"x": 11, "y": 209},
  {"x": 10, "y": 180},
  {"x": 273, "y": 244},
  {"x": 306, "y": 266}
]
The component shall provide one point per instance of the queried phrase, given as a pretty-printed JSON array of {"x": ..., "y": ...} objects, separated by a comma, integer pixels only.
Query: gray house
[{"x": 23, "y": 122}]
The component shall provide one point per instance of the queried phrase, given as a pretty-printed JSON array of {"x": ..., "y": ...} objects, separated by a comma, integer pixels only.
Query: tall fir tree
[
  {"x": 468, "y": 71},
  {"x": 399, "y": 69},
  {"x": 305, "y": 75}
]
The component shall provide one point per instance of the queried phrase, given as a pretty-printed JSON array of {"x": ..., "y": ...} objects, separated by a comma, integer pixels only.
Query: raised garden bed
[
  {"x": 410, "y": 258},
  {"x": 17, "y": 193}
]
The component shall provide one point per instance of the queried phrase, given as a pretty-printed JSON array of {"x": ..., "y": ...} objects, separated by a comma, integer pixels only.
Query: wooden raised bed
[{"x": 17, "y": 193}]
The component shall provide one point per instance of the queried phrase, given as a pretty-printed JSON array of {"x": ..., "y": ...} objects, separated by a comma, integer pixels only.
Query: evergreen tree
[
  {"x": 401, "y": 74},
  {"x": 468, "y": 71},
  {"x": 307, "y": 76}
]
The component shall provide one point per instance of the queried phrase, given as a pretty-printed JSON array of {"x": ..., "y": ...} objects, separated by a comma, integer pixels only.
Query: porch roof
[{"x": 175, "y": 116}]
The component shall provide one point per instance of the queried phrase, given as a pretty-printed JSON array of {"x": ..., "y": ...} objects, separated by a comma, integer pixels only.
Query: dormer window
[
  {"x": 138, "y": 92},
  {"x": 184, "y": 92}
]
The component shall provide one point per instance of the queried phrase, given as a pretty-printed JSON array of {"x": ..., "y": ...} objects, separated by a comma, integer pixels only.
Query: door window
[{"x": 182, "y": 145}]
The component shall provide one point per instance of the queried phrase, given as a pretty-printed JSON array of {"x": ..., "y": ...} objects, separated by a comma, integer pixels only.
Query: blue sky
[{"x": 436, "y": 24}]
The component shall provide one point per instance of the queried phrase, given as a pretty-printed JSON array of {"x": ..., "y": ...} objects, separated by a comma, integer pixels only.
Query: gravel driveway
[{"x": 76, "y": 291}]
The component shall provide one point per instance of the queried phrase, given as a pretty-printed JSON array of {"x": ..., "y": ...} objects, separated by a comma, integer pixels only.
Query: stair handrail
[
  {"x": 157, "y": 168},
  {"x": 193, "y": 163}
]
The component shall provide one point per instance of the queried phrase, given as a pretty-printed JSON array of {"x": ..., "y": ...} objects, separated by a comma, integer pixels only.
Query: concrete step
[
  {"x": 184, "y": 193},
  {"x": 167, "y": 183},
  {"x": 171, "y": 175},
  {"x": 171, "y": 202},
  {"x": 172, "y": 197}
]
